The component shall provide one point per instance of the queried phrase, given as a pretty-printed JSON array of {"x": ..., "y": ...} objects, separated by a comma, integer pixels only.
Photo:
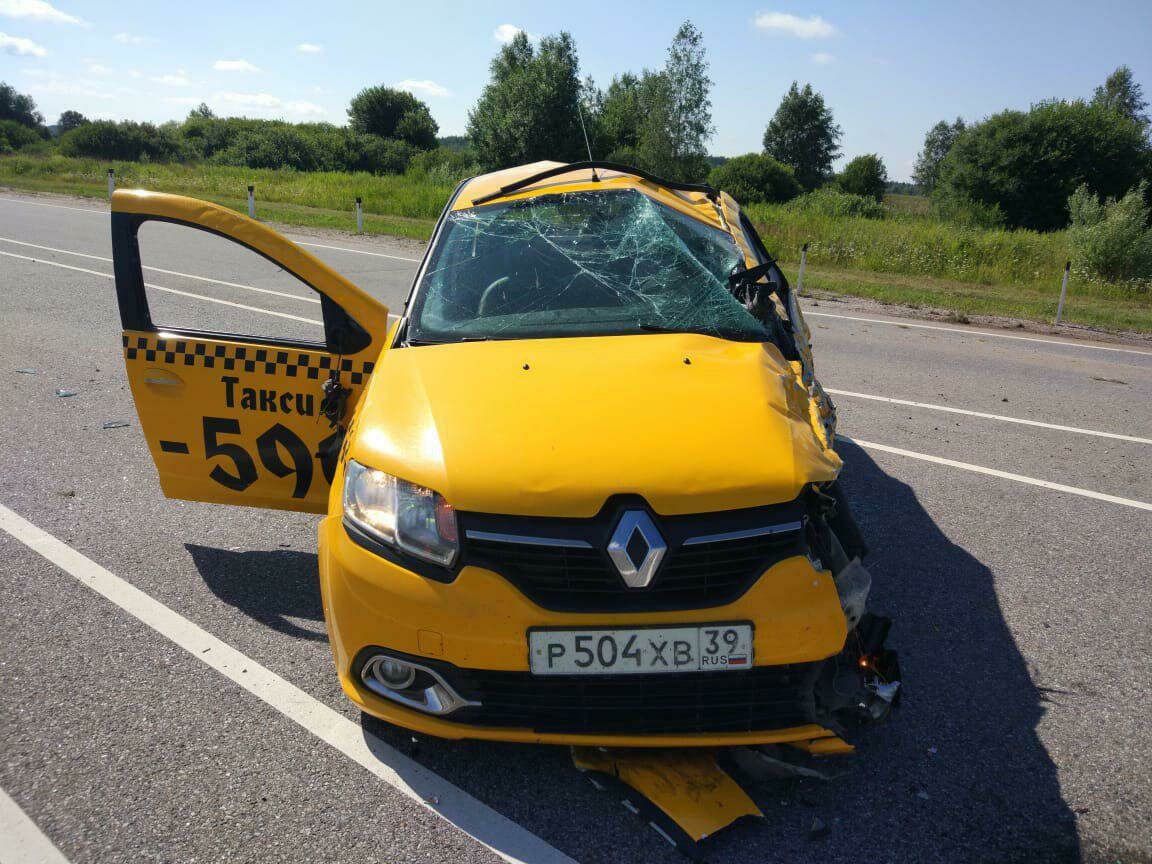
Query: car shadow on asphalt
[
  {"x": 275, "y": 588},
  {"x": 957, "y": 774}
]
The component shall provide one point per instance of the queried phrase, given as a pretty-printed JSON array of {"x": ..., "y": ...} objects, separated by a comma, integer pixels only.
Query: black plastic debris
[
  {"x": 115, "y": 424},
  {"x": 762, "y": 764},
  {"x": 818, "y": 829},
  {"x": 25, "y": 371}
]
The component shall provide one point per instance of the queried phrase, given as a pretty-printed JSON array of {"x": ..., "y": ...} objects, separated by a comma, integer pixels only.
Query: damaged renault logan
[{"x": 581, "y": 491}]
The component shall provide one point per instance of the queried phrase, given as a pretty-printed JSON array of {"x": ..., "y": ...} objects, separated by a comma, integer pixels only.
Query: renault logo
[{"x": 636, "y": 548}]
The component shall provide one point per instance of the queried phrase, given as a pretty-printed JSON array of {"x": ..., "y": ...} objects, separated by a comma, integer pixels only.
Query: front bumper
[{"x": 475, "y": 629}]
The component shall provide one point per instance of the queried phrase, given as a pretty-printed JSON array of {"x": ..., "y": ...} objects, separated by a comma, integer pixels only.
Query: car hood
[{"x": 553, "y": 427}]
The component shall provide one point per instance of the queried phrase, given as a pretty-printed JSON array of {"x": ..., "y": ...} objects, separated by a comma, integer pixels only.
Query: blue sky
[{"x": 887, "y": 70}]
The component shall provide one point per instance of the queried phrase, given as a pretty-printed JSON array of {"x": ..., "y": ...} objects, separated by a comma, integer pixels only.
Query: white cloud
[
  {"x": 180, "y": 79},
  {"x": 97, "y": 69},
  {"x": 266, "y": 103},
  {"x": 813, "y": 27},
  {"x": 300, "y": 108},
  {"x": 36, "y": 10},
  {"x": 130, "y": 39},
  {"x": 424, "y": 88},
  {"x": 823, "y": 58},
  {"x": 505, "y": 33},
  {"x": 58, "y": 85},
  {"x": 20, "y": 46},
  {"x": 182, "y": 100},
  {"x": 235, "y": 66},
  {"x": 309, "y": 48}
]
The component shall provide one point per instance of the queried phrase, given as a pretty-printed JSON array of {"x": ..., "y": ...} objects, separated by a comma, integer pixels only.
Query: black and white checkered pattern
[{"x": 245, "y": 358}]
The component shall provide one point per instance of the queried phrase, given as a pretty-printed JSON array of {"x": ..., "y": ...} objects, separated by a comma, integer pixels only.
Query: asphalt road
[{"x": 1021, "y": 610}]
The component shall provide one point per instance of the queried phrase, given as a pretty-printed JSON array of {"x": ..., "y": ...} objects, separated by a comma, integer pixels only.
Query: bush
[
  {"x": 1111, "y": 240},
  {"x": 128, "y": 141},
  {"x": 14, "y": 136},
  {"x": 951, "y": 206},
  {"x": 1029, "y": 163},
  {"x": 832, "y": 202},
  {"x": 380, "y": 155},
  {"x": 865, "y": 176},
  {"x": 274, "y": 147},
  {"x": 755, "y": 178},
  {"x": 445, "y": 164},
  {"x": 394, "y": 114}
]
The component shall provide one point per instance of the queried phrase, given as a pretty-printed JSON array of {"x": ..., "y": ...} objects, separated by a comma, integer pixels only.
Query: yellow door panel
[
  {"x": 235, "y": 423},
  {"x": 237, "y": 419}
]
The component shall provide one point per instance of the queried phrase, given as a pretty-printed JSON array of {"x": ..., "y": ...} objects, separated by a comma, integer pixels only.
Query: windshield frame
[{"x": 408, "y": 335}]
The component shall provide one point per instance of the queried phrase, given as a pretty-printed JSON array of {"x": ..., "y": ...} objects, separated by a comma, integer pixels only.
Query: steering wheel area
[{"x": 488, "y": 299}]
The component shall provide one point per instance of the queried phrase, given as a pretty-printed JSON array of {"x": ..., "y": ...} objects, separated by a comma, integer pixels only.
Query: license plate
[{"x": 707, "y": 648}]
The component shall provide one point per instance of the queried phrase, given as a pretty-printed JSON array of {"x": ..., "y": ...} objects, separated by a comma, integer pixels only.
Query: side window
[{"x": 197, "y": 280}]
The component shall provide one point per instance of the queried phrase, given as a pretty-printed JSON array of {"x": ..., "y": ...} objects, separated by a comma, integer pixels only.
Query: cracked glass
[{"x": 611, "y": 262}]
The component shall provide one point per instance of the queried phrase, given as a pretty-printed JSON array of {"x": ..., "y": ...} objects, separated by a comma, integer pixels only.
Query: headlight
[{"x": 401, "y": 514}]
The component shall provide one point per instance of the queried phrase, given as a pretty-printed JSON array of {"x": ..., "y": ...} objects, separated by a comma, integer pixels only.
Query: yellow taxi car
[{"x": 581, "y": 491}]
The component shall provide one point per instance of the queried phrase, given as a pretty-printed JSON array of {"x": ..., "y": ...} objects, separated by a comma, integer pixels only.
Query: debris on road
[
  {"x": 64, "y": 394},
  {"x": 761, "y": 765},
  {"x": 818, "y": 829},
  {"x": 25, "y": 371},
  {"x": 684, "y": 794},
  {"x": 115, "y": 424}
]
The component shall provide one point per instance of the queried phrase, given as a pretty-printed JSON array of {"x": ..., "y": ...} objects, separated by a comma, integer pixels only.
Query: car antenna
[{"x": 587, "y": 146}]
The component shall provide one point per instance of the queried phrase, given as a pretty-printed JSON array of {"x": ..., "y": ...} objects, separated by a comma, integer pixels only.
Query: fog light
[
  {"x": 412, "y": 685},
  {"x": 394, "y": 674}
]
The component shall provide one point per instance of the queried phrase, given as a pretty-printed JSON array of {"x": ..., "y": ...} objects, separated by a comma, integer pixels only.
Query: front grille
[
  {"x": 759, "y": 699},
  {"x": 582, "y": 578}
]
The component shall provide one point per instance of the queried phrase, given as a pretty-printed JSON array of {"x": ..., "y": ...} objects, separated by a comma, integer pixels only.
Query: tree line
[
  {"x": 1015, "y": 169},
  {"x": 388, "y": 130},
  {"x": 1019, "y": 168},
  {"x": 534, "y": 107}
]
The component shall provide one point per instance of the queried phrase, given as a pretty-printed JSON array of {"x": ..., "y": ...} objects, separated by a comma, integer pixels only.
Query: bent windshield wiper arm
[
  {"x": 449, "y": 341},
  {"x": 717, "y": 332},
  {"x": 712, "y": 193}
]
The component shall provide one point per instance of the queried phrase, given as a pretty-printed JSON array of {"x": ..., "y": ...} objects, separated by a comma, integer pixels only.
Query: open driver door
[{"x": 237, "y": 419}]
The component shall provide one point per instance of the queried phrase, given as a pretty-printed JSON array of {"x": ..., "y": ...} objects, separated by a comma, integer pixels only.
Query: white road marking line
[
  {"x": 297, "y": 242},
  {"x": 978, "y": 333},
  {"x": 235, "y": 305},
  {"x": 162, "y": 270},
  {"x": 357, "y": 251},
  {"x": 167, "y": 290},
  {"x": 1000, "y": 417},
  {"x": 56, "y": 206},
  {"x": 504, "y": 837},
  {"x": 21, "y": 841},
  {"x": 1005, "y": 475}
]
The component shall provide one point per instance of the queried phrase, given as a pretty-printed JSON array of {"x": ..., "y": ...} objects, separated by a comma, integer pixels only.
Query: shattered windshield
[{"x": 579, "y": 264}]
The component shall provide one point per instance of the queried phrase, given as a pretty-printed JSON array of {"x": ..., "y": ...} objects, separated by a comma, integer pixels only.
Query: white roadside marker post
[
  {"x": 800, "y": 278},
  {"x": 359, "y": 217},
  {"x": 251, "y": 202},
  {"x": 111, "y": 181},
  {"x": 1063, "y": 291}
]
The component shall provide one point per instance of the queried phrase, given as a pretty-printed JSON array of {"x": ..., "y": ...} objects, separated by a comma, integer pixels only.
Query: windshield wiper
[
  {"x": 718, "y": 332},
  {"x": 450, "y": 341}
]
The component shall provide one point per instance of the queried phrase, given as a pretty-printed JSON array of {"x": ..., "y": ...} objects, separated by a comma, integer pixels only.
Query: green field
[{"x": 910, "y": 257}]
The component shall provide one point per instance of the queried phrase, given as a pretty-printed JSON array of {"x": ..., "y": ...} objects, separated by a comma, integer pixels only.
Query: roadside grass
[
  {"x": 403, "y": 205},
  {"x": 1115, "y": 309},
  {"x": 912, "y": 205},
  {"x": 915, "y": 246},
  {"x": 910, "y": 257}
]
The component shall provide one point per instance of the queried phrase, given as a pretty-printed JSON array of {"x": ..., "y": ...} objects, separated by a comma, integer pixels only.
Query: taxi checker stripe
[{"x": 244, "y": 358}]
